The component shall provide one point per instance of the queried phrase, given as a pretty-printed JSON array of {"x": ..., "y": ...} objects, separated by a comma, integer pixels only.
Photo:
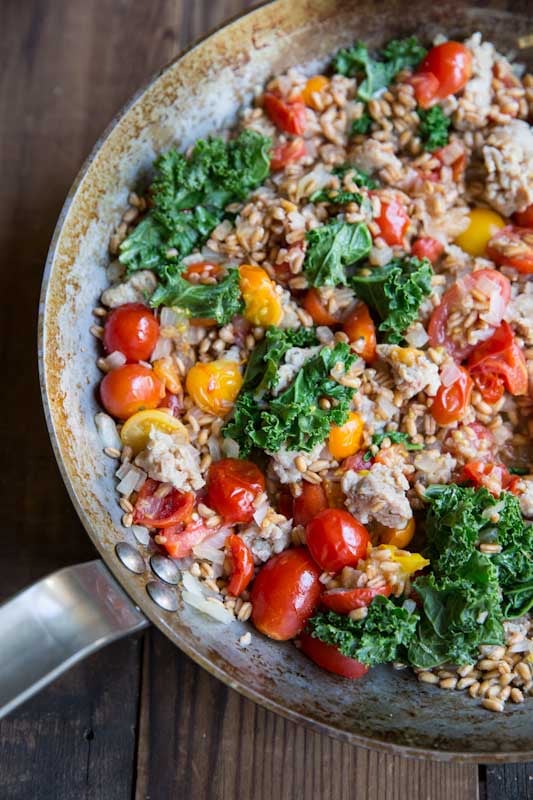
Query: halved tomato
[
  {"x": 451, "y": 401},
  {"x": 317, "y": 308},
  {"x": 330, "y": 658},
  {"x": 494, "y": 477},
  {"x": 345, "y": 600},
  {"x": 287, "y": 153},
  {"x": 242, "y": 561},
  {"x": 164, "y": 511},
  {"x": 499, "y": 364},
  {"x": 180, "y": 539},
  {"x": 287, "y": 116},
  {"x": 513, "y": 247},
  {"x": 309, "y": 503}
]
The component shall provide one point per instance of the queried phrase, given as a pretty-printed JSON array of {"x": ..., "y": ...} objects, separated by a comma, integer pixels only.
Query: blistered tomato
[
  {"x": 233, "y": 485},
  {"x": 483, "y": 225},
  {"x": 214, "y": 386},
  {"x": 336, "y": 539},
  {"x": 129, "y": 389},
  {"x": 345, "y": 440},
  {"x": 262, "y": 304},
  {"x": 132, "y": 329}
]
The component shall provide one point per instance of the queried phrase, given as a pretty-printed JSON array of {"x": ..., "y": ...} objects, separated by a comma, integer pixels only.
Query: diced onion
[
  {"x": 417, "y": 335},
  {"x": 192, "y": 584},
  {"x": 168, "y": 317},
  {"x": 261, "y": 512},
  {"x": 141, "y": 534},
  {"x": 487, "y": 286},
  {"x": 213, "y": 445},
  {"x": 131, "y": 480},
  {"x": 162, "y": 348},
  {"x": 496, "y": 309},
  {"x": 209, "y": 553},
  {"x": 218, "y": 539},
  {"x": 115, "y": 360},
  {"x": 230, "y": 448},
  {"x": 212, "y": 608},
  {"x": 450, "y": 373},
  {"x": 107, "y": 431}
]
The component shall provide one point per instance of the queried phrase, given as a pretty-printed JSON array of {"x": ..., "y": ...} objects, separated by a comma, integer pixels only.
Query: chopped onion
[
  {"x": 168, "y": 317},
  {"x": 162, "y": 348},
  {"x": 107, "y": 431},
  {"x": 496, "y": 309},
  {"x": 213, "y": 445},
  {"x": 521, "y": 647},
  {"x": 409, "y": 605},
  {"x": 261, "y": 512},
  {"x": 218, "y": 539},
  {"x": 141, "y": 534},
  {"x": 192, "y": 584},
  {"x": 209, "y": 553},
  {"x": 450, "y": 373},
  {"x": 123, "y": 470},
  {"x": 487, "y": 285},
  {"x": 230, "y": 448},
  {"x": 115, "y": 360},
  {"x": 417, "y": 336},
  {"x": 210, "y": 607},
  {"x": 131, "y": 479}
]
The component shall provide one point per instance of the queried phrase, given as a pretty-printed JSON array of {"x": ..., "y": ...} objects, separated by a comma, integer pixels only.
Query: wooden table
[{"x": 139, "y": 719}]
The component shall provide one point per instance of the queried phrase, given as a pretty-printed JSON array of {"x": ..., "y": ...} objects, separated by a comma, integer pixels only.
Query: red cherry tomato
[
  {"x": 357, "y": 462},
  {"x": 513, "y": 247},
  {"x": 309, "y": 503},
  {"x": 494, "y": 477},
  {"x": 498, "y": 364},
  {"x": 232, "y": 487},
  {"x": 393, "y": 221},
  {"x": 162, "y": 512},
  {"x": 287, "y": 153},
  {"x": 315, "y": 306},
  {"x": 452, "y": 299},
  {"x": 180, "y": 539},
  {"x": 345, "y": 600},
  {"x": 452, "y": 401},
  {"x": 359, "y": 327},
  {"x": 336, "y": 540},
  {"x": 129, "y": 389},
  {"x": 330, "y": 658},
  {"x": 242, "y": 560},
  {"x": 288, "y": 117},
  {"x": 451, "y": 64},
  {"x": 285, "y": 593},
  {"x": 524, "y": 219},
  {"x": 174, "y": 402},
  {"x": 426, "y": 247},
  {"x": 426, "y": 86},
  {"x": 132, "y": 329},
  {"x": 448, "y": 157}
]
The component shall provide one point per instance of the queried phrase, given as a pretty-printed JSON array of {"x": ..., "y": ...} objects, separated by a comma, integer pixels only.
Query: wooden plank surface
[{"x": 136, "y": 720}]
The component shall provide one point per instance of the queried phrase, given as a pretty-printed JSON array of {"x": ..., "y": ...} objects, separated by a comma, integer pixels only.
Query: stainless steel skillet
[{"x": 59, "y": 620}]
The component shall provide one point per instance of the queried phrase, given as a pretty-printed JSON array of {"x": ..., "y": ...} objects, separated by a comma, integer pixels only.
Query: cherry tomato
[
  {"x": 524, "y": 219},
  {"x": 288, "y": 117},
  {"x": 285, "y": 502},
  {"x": 315, "y": 85},
  {"x": 309, "y": 503},
  {"x": 162, "y": 512},
  {"x": 393, "y": 221},
  {"x": 452, "y": 299},
  {"x": 174, "y": 402},
  {"x": 129, "y": 389},
  {"x": 494, "y": 477},
  {"x": 426, "y": 86},
  {"x": 180, "y": 539},
  {"x": 232, "y": 486},
  {"x": 132, "y": 329},
  {"x": 336, "y": 540},
  {"x": 452, "y": 401},
  {"x": 202, "y": 269},
  {"x": 285, "y": 593},
  {"x": 451, "y": 64},
  {"x": 262, "y": 303},
  {"x": 330, "y": 658},
  {"x": 359, "y": 327},
  {"x": 214, "y": 385},
  {"x": 498, "y": 364},
  {"x": 345, "y": 440},
  {"x": 483, "y": 225},
  {"x": 426, "y": 247},
  {"x": 448, "y": 157},
  {"x": 315, "y": 306},
  {"x": 242, "y": 560},
  {"x": 287, "y": 153},
  {"x": 357, "y": 462},
  {"x": 513, "y": 247},
  {"x": 397, "y": 537},
  {"x": 345, "y": 600}
]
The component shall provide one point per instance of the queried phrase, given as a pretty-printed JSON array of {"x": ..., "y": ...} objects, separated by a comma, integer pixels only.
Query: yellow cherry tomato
[
  {"x": 399, "y": 537},
  {"x": 409, "y": 562},
  {"x": 136, "y": 430},
  {"x": 214, "y": 386},
  {"x": 345, "y": 440},
  {"x": 313, "y": 86},
  {"x": 167, "y": 372},
  {"x": 482, "y": 226},
  {"x": 262, "y": 305}
]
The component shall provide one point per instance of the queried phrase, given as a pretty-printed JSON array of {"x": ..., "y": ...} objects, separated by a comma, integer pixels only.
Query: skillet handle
[{"x": 62, "y": 618}]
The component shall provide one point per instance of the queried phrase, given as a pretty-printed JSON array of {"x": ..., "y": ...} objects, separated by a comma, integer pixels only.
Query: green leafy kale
[
  {"x": 189, "y": 196},
  {"x": 219, "y": 301},
  {"x": 378, "y": 73},
  {"x": 433, "y": 128},
  {"x": 333, "y": 247},
  {"x": 293, "y": 418},
  {"x": 519, "y": 470},
  {"x": 361, "y": 125},
  {"x": 262, "y": 369},
  {"x": 358, "y": 176},
  {"x": 339, "y": 196},
  {"x": 395, "y": 292},
  {"x": 384, "y": 635},
  {"x": 396, "y": 437}
]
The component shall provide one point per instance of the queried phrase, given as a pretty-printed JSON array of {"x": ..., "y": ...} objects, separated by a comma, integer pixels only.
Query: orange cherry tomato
[
  {"x": 393, "y": 221},
  {"x": 498, "y": 364},
  {"x": 397, "y": 537},
  {"x": 342, "y": 601},
  {"x": 426, "y": 86},
  {"x": 524, "y": 219},
  {"x": 204, "y": 269},
  {"x": 426, "y": 247},
  {"x": 513, "y": 247},
  {"x": 314, "y": 305},
  {"x": 232, "y": 488},
  {"x": 129, "y": 389},
  {"x": 451, "y": 64},
  {"x": 345, "y": 440},
  {"x": 262, "y": 304},
  {"x": 494, "y": 477},
  {"x": 309, "y": 503},
  {"x": 132, "y": 329},
  {"x": 288, "y": 117},
  {"x": 336, "y": 539},
  {"x": 242, "y": 561},
  {"x": 285, "y": 594},
  {"x": 287, "y": 153},
  {"x": 451, "y": 401},
  {"x": 214, "y": 385},
  {"x": 314, "y": 86},
  {"x": 330, "y": 658},
  {"x": 359, "y": 327},
  {"x": 161, "y": 512}
]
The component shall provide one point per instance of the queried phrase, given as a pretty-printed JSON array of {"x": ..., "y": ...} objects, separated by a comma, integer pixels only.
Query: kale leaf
[
  {"x": 333, "y": 247},
  {"x": 384, "y": 635},
  {"x": 396, "y": 437},
  {"x": 361, "y": 125},
  {"x": 433, "y": 128},
  {"x": 338, "y": 196},
  {"x": 219, "y": 301},
  {"x": 262, "y": 369},
  {"x": 358, "y": 176},
  {"x": 395, "y": 292}
]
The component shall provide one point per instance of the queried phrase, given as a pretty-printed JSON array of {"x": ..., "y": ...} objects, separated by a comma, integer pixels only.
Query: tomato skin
[
  {"x": 451, "y": 64},
  {"x": 393, "y": 221},
  {"x": 288, "y": 117},
  {"x": 202, "y": 268},
  {"x": 494, "y": 477},
  {"x": 129, "y": 389},
  {"x": 397, "y": 537},
  {"x": 451, "y": 401},
  {"x": 359, "y": 327},
  {"x": 162, "y": 512},
  {"x": 243, "y": 565},
  {"x": 309, "y": 503},
  {"x": 287, "y": 153},
  {"x": 180, "y": 539},
  {"x": 519, "y": 238},
  {"x": 498, "y": 364},
  {"x": 232, "y": 486},
  {"x": 330, "y": 658},
  {"x": 345, "y": 440},
  {"x": 426, "y": 86},
  {"x": 342, "y": 601},
  {"x": 426, "y": 247},
  {"x": 335, "y": 539},
  {"x": 132, "y": 329},
  {"x": 285, "y": 594},
  {"x": 314, "y": 305},
  {"x": 524, "y": 219}
]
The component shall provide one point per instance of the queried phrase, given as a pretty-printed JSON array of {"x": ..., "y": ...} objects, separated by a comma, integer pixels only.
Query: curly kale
[
  {"x": 433, "y": 128},
  {"x": 333, "y": 247},
  {"x": 378, "y": 73}
]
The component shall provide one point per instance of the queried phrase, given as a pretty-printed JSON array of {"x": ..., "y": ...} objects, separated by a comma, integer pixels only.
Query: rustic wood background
[{"x": 139, "y": 719}]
